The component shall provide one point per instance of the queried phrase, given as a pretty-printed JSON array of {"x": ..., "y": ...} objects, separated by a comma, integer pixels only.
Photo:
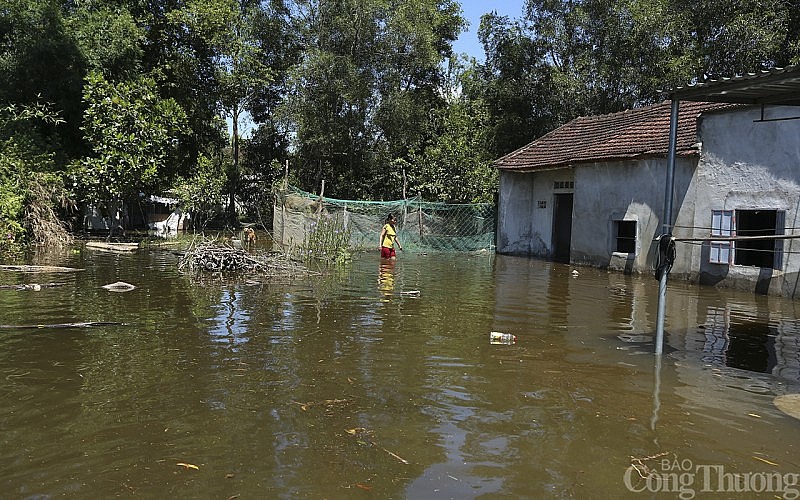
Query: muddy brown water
[{"x": 350, "y": 387}]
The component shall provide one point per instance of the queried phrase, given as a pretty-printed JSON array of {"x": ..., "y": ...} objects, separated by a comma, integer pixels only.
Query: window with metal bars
[{"x": 625, "y": 236}]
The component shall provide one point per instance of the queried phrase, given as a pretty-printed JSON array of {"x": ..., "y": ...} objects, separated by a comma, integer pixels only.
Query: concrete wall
[
  {"x": 524, "y": 225},
  {"x": 514, "y": 214},
  {"x": 631, "y": 191},
  {"x": 603, "y": 193},
  {"x": 748, "y": 164}
]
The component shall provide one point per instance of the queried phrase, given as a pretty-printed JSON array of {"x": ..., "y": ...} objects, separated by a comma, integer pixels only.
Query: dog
[{"x": 249, "y": 236}]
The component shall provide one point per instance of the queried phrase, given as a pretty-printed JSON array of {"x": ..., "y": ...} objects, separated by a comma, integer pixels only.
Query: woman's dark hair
[{"x": 389, "y": 217}]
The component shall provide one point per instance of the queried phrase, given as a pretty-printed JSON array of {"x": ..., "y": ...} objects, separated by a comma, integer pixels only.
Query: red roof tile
[{"x": 636, "y": 133}]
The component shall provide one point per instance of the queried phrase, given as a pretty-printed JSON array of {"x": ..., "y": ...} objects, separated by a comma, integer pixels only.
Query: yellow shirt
[{"x": 389, "y": 236}]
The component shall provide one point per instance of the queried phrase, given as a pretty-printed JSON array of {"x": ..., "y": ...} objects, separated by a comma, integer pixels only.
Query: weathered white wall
[
  {"x": 603, "y": 193},
  {"x": 514, "y": 224},
  {"x": 523, "y": 227},
  {"x": 748, "y": 164},
  {"x": 630, "y": 190}
]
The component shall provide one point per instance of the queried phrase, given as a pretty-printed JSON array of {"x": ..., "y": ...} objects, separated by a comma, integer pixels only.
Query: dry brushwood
[
  {"x": 41, "y": 221},
  {"x": 216, "y": 257}
]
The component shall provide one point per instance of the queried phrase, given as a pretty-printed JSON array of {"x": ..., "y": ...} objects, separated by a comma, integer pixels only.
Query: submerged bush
[
  {"x": 328, "y": 239},
  {"x": 30, "y": 193}
]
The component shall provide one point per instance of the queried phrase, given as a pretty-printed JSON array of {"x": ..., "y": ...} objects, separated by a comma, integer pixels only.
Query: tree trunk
[{"x": 233, "y": 178}]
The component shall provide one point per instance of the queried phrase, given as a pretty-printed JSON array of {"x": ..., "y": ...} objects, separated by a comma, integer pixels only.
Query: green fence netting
[{"x": 421, "y": 226}]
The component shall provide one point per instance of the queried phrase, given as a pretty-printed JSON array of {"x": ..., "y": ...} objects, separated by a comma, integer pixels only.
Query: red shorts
[{"x": 387, "y": 253}]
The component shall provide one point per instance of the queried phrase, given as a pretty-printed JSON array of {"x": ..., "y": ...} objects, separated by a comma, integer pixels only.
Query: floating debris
[
  {"x": 364, "y": 436},
  {"x": 119, "y": 286},
  {"x": 114, "y": 247},
  {"x": 788, "y": 404},
  {"x": 30, "y": 286},
  {"x": 634, "y": 338},
  {"x": 66, "y": 325},
  {"x": 502, "y": 338},
  {"x": 769, "y": 462},
  {"x": 40, "y": 269}
]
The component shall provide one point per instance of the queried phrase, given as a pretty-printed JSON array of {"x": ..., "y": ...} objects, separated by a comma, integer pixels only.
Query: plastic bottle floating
[{"x": 502, "y": 338}]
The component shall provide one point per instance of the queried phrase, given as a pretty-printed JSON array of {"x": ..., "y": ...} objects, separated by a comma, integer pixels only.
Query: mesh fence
[{"x": 421, "y": 226}]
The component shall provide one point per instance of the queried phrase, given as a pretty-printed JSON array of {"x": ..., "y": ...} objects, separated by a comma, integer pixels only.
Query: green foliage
[
  {"x": 328, "y": 240},
  {"x": 109, "y": 39},
  {"x": 227, "y": 27},
  {"x": 39, "y": 61},
  {"x": 201, "y": 194},
  {"x": 131, "y": 132},
  {"x": 12, "y": 197},
  {"x": 29, "y": 193},
  {"x": 456, "y": 167}
]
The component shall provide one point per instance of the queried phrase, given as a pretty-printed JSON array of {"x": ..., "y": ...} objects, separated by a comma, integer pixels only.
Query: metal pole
[
  {"x": 666, "y": 222},
  {"x": 656, "y": 393}
]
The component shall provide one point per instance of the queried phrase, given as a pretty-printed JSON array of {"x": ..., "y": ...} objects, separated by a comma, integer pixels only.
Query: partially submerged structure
[
  {"x": 159, "y": 213},
  {"x": 422, "y": 226},
  {"x": 593, "y": 191}
]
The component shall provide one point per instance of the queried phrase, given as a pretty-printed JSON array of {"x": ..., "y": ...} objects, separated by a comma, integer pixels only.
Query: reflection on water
[
  {"x": 755, "y": 343},
  {"x": 386, "y": 276},
  {"x": 343, "y": 387}
]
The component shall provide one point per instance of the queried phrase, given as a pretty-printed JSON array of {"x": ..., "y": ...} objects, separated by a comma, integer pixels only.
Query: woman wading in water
[{"x": 389, "y": 238}]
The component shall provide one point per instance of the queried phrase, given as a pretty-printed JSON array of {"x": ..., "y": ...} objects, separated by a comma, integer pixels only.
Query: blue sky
[{"x": 473, "y": 10}]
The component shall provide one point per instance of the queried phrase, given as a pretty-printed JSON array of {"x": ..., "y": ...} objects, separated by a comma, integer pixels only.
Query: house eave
[{"x": 593, "y": 161}]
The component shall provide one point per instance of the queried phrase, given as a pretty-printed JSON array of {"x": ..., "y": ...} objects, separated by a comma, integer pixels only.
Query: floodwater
[{"x": 349, "y": 386}]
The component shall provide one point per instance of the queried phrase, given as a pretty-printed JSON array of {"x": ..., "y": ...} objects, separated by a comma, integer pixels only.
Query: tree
[
  {"x": 227, "y": 27},
  {"x": 39, "y": 61},
  {"x": 731, "y": 37},
  {"x": 367, "y": 89},
  {"x": 516, "y": 84},
  {"x": 131, "y": 132},
  {"x": 201, "y": 193},
  {"x": 456, "y": 166},
  {"x": 109, "y": 39}
]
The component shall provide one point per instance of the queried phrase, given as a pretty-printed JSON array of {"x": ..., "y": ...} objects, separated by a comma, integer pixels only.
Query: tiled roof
[{"x": 636, "y": 133}]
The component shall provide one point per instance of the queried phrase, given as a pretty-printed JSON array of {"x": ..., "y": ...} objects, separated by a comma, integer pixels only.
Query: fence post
[
  {"x": 321, "y": 195},
  {"x": 283, "y": 202}
]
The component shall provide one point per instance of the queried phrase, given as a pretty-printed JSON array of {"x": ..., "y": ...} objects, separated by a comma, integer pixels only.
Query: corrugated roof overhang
[{"x": 779, "y": 86}]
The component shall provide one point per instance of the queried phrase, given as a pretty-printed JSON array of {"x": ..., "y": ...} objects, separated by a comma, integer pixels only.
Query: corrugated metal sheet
[{"x": 780, "y": 86}]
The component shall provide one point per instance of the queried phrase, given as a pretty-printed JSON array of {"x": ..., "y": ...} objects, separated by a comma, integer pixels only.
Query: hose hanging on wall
[{"x": 665, "y": 255}]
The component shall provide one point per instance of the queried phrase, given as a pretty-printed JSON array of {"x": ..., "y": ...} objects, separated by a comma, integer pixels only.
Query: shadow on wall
[
  {"x": 710, "y": 274},
  {"x": 764, "y": 279},
  {"x": 629, "y": 264}
]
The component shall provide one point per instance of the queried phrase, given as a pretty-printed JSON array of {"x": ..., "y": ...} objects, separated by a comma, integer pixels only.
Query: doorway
[{"x": 562, "y": 226}]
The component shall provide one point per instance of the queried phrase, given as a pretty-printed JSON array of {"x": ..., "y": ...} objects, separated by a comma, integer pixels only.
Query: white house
[{"x": 592, "y": 192}]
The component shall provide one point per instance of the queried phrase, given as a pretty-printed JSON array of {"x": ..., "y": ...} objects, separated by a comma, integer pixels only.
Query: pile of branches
[{"x": 217, "y": 256}]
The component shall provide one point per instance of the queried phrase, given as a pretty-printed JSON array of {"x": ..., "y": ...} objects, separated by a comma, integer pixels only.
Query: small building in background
[
  {"x": 163, "y": 214},
  {"x": 158, "y": 213}
]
